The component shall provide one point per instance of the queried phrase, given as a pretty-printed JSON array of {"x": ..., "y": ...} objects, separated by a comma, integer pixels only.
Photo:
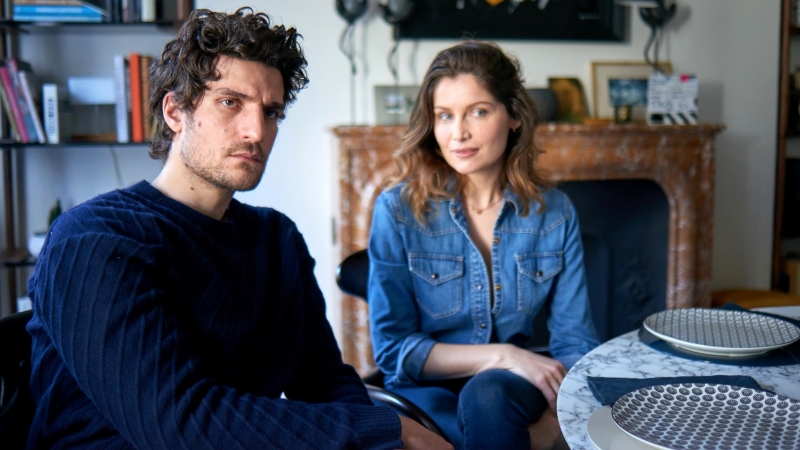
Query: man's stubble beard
[{"x": 201, "y": 163}]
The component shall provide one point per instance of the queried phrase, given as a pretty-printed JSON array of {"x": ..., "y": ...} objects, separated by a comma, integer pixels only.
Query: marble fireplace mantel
[{"x": 679, "y": 159}]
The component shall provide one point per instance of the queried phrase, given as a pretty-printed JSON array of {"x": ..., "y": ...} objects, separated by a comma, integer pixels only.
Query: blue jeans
[{"x": 491, "y": 410}]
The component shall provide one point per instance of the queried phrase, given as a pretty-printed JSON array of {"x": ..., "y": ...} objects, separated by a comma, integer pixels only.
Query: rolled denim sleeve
[
  {"x": 400, "y": 347},
  {"x": 572, "y": 333}
]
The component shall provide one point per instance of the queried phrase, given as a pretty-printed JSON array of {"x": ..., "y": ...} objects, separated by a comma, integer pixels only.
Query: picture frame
[
  {"x": 604, "y": 71},
  {"x": 393, "y": 104},
  {"x": 571, "y": 99},
  {"x": 551, "y": 20}
]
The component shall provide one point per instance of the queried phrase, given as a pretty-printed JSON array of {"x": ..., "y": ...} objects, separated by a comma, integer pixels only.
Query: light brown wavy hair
[
  {"x": 189, "y": 62},
  {"x": 419, "y": 160}
]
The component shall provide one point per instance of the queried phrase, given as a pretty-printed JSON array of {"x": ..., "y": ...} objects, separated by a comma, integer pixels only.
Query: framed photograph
[
  {"x": 627, "y": 78},
  {"x": 572, "y": 106}
]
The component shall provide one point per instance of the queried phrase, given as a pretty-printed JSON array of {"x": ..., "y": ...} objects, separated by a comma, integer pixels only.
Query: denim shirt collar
[{"x": 508, "y": 197}]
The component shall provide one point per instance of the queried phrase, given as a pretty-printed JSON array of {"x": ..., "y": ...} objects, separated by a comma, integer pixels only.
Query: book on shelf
[
  {"x": 61, "y": 10},
  {"x": 93, "y": 11},
  {"x": 17, "y": 68},
  {"x": 50, "y": 110},
  {"x": 14, "y": 106},
  {"x": 135, "y": 70},
  {"x": 147, "y": 10},
  {"x": 29, "y": 87},
  {"x": 121, "y": 108},
  {"x": 8, "y": 115},
  {"x": 145, "y": 62},
  {"x": 57, "y": 115},
  {"x": 177, "y": 10}
]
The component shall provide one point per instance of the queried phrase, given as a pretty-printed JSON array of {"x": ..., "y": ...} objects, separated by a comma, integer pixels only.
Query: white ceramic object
[
  {"x": 605, "y": 434},
  {"x": 721, "y": 332},
  {"x": 713, "y": 416},
  {"x": 36, "y": 242}
]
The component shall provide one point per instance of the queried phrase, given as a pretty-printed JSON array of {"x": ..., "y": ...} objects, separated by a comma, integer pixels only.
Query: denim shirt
[{"x": 428, "y": 282}]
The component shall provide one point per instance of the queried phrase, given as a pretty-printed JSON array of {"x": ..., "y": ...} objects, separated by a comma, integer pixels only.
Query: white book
[
  {"x": 50, "y": 108},
  {"x": 148, "y": 12},
  {"x": 121, "y": 94}
]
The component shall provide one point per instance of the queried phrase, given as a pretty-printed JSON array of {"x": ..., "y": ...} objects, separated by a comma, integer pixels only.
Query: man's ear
[{"x": 173, "y": 115}]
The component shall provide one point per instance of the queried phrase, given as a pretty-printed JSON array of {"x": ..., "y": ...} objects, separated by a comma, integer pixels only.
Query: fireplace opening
[{"x": 625, "y": 234}]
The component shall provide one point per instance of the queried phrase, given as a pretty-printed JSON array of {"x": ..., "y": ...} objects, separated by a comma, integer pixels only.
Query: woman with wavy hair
[{"x": 467, "y": 245}]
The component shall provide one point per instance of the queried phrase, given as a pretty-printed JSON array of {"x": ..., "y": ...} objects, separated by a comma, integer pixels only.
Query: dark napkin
[
  {"x": 609, "y": 390},
  {"x": 735, "y": 307}
]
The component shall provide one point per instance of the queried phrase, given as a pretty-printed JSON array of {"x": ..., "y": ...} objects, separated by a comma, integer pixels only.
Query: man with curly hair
[{"x": 169, "y": 315}]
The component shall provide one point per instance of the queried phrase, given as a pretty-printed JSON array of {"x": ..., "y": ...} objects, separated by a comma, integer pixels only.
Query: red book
[
  {"x": 13, "y": 101},
  {"x": 135, "y": 68}
]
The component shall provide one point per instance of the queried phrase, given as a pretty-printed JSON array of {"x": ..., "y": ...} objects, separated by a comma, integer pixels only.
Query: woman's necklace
[{"x": 480, "y": 211}]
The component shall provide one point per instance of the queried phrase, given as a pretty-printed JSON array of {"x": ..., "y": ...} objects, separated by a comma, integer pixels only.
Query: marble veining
[{"x": 627, "y": 357}]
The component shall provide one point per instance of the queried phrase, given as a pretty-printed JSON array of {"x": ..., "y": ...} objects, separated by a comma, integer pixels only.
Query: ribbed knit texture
[{"x": 157, "y": 327}]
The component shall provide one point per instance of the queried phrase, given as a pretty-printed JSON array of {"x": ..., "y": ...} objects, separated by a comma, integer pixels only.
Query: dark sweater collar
[{"x": 147, "y": 191}]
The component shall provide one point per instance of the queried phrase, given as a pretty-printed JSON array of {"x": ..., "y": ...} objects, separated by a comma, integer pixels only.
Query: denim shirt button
[
  {"x": 539, "y": 273},
  {"x": 455, "y": 210},
  {"x": 434, "y": 276},
  {"x": 479, "y": 287},
  {"x": 496, "y": 287},
  {"x": 497, "y": 240},
  {"x": 483, "y": 325}
]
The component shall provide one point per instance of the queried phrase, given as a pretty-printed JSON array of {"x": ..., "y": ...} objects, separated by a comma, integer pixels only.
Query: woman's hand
[
  {"x": 447, "y": 361},
  {"x": 543, "y": 372}
]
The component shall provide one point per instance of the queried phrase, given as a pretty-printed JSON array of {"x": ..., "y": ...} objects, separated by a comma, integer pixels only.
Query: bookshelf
[{"x": 57, "y": 51}]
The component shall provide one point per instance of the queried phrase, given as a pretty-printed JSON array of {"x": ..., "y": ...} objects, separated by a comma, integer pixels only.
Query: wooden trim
[
  {"x": 8, "y": 198},
  {"x": 783, "y": 127}
]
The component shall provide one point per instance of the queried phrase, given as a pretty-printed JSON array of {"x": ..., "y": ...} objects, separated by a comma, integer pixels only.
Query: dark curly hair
[{"x": 189, "y": 62}]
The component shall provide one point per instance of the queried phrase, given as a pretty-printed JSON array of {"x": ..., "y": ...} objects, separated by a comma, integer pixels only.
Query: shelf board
[
  {"x": 16, "y": 257},
  {"x": 20, "y": 26},
  {"x": 15, "y": 144}
]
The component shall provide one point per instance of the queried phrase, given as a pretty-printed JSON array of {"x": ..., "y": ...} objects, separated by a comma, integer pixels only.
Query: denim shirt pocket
[
  {"x": 536, "y": 272},
  {"x": 437, "y": 283}
]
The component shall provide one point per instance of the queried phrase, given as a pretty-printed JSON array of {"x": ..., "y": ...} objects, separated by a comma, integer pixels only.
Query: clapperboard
[{"x": 672, "y": 99}]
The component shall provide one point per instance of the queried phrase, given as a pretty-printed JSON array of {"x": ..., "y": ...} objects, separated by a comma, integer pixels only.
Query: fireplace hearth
[{"x": 644, "y": 196}]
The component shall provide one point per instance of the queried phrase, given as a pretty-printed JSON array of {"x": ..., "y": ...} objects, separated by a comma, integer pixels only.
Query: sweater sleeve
[
  {"x": 103, "y": 302},
  {"x": 323, "y": 377}
]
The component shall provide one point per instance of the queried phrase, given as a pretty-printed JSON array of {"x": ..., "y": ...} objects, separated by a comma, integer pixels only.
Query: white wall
[{"x": 731, "y": 44}]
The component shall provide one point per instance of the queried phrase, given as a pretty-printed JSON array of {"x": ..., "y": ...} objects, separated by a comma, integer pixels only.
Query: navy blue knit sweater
[{"x": 158, "y": 327}]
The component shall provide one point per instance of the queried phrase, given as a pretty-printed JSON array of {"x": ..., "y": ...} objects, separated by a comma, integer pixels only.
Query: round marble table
[{"x": 627, "y": 357}]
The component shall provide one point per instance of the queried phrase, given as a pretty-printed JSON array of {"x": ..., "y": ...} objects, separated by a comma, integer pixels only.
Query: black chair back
[
  {"x": 16, "y": 405},
  {"x": 352, "y": 274}
]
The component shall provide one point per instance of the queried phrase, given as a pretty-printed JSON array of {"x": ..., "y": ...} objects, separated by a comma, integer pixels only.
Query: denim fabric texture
[{"x": 428, "y": 282}]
